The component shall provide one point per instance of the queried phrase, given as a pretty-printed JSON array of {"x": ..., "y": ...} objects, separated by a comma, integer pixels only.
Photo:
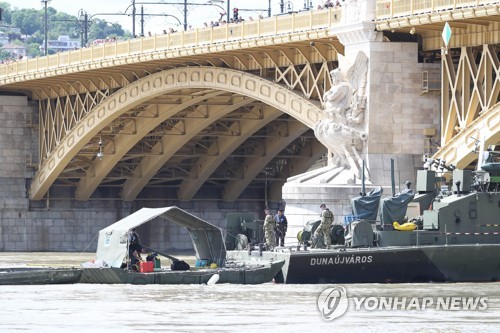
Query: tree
[
  {"x": 64, "y": 24},
  {"x": 29, "y": 20},
  {"x": 31, "y": 23},
  {"x": 100, "y": 29},
  {"x": 6, "y": 13},
  {"x": 4, "y": 55},
  {"x": 33, "y": 50}
]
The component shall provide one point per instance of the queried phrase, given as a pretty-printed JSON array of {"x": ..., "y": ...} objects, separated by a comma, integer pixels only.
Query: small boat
[
  {"x": 208, "y": 242},
  {"x": 243, "y": 274},
  {"x": 36, "y": 275}
]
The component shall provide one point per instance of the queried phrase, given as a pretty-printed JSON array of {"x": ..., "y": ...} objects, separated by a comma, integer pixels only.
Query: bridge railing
[
  {"x": 386, "y": 9},
  {"x": 281, "y": 24}
]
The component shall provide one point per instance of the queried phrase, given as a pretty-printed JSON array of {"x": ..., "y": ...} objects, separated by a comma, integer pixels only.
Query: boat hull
[
  {"x": 454, "y": 263},
  {"x": 37, "y": 276},
  {"x": 254, "y": 274}
]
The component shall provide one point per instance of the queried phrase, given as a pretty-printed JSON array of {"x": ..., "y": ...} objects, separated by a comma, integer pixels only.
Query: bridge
[{"x": 228, "y": 113}]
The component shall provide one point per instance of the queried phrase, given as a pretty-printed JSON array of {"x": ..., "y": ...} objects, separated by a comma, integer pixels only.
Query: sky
[{"x": 197, "y": 15}]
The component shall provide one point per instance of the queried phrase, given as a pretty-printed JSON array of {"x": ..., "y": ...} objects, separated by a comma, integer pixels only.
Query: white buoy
[{"x": 213, "y": 280}]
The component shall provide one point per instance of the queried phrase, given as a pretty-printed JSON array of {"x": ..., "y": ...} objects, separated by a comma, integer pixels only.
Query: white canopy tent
[{"x": 208, "y": 240}]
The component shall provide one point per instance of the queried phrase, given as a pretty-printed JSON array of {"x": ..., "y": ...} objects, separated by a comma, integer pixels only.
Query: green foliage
[
  {"x": 4, "y": 55},
  {"x": 31, "y": 24},
  {"x": 100, "y": 29},
  {"x": 64, "y": 24},
  {"x": 29, "y": 20},
  {"x": 6, "y": 14},
  {"x": 33, "y": 49}
]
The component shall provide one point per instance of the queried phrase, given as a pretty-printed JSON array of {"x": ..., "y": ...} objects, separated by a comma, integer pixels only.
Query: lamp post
[
  {"x": 289, "y": 6},
  {"x": 133, "y": 18},
  {"x": 45, "y": 27},
  {"x": 142, "y": 21},
  {"x": 83, "y": 18}
]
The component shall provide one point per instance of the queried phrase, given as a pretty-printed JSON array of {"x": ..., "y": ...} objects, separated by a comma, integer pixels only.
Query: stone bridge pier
[{"x": 376, "y": 113}]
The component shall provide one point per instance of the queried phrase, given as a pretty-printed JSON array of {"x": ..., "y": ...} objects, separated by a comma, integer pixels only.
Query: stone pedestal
[{"x": 395, "y": 117}]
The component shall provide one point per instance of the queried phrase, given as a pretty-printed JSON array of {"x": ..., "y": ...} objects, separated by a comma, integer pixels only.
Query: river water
[{"x": 229, "y": 308}]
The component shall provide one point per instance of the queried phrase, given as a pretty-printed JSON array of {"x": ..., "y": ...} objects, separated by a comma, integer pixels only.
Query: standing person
[
  {"x": 269, "y": 229},
  {"x": 281, "y": 226},
  {"x": 134, "y": 242},
  {"x": 325, "y": 225},
  {"x": 134, "y": 250}
]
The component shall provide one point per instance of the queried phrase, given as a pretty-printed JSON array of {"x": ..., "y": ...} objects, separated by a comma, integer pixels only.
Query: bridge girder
[
  {"x": 165, "y": 149},
  {"x": 221, "y": 149},
  {"x": 285, "y": 135}
]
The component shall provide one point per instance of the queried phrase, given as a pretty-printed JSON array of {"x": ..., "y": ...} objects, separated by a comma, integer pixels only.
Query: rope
[
  {"x": 473, "y": 233},
  {"x": 92, "y": 241}
]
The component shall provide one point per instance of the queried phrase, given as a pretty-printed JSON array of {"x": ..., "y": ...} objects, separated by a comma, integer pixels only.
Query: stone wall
[{"x": 398, "y": 111}]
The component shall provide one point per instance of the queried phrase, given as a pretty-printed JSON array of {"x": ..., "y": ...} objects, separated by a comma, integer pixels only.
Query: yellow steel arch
[
  {"x": 122, "y": 143},
  {"x": 460, "y": 149},
  {"x": 157, "y": 84}
]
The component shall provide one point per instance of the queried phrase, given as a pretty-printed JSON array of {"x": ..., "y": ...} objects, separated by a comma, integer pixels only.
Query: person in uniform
[
  {"x": 269, "y": 229},
  {"x": 325, "y": 225},
  {"x": 281, "y": 226}
]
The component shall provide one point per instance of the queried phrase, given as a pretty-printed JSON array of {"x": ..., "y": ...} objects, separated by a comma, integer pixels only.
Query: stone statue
[{"x": 343, "y": 131}]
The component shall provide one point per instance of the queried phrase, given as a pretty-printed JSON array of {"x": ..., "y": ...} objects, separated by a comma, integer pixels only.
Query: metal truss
[{"x": 470, "y": 99}]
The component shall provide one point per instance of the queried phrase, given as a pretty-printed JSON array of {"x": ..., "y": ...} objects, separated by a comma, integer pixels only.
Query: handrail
[
  {"x": 387, "y": 9},
  {"x": 247, "y": 30}
]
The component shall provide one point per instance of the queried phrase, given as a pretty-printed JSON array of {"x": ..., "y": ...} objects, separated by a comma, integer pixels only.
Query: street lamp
[
  {"x": 133, "y": 18},
  {"x": 45, "y": 26},
  {"x": 308, "y": 5},
  {"x": 83, "y": 18},
  {"x": 289, "y": 6}
]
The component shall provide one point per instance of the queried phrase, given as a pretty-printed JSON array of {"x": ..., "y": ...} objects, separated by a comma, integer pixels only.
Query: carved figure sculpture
[{"x": 343, "y": 131}]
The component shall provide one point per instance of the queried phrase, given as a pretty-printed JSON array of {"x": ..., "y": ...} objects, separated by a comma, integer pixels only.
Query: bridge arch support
[
  {"x": 245, "y": 84},
  {"x": 460, "y": 149}
]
